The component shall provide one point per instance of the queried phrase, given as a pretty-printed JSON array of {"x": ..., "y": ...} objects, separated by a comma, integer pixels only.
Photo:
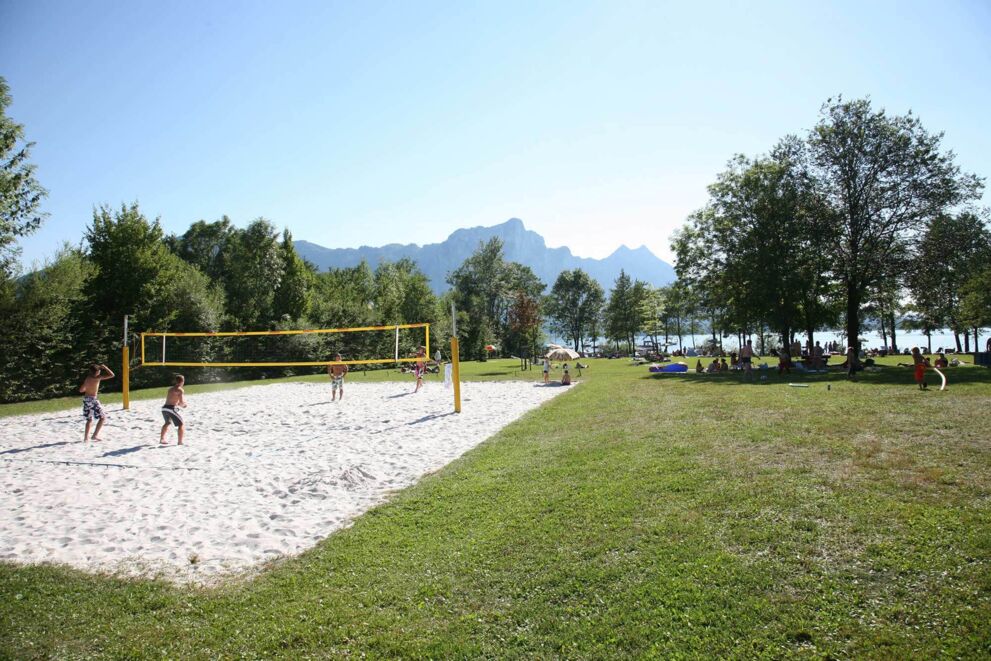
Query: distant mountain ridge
[{"x": 521, "y": 245}]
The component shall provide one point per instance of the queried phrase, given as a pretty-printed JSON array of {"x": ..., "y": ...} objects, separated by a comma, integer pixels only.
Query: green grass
[{"x": 636, "y": 515}]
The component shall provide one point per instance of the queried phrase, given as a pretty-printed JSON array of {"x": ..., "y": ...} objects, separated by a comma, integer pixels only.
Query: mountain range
[{"x": 521, "y": 245}]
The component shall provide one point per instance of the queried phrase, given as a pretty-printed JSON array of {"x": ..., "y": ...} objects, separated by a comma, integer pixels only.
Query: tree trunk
[
  {"x": 853, "y": 317},
  {"x": 884, "y": 332},
  {"x": 929, "y": 341},
  {"x": 891, "y": 325},
  {"x": 966, "y": 342},
  {"x": 956, "y": 336}
]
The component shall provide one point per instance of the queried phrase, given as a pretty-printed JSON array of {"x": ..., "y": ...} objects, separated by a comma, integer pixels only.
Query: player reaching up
[{"x": 92, "y": 408}]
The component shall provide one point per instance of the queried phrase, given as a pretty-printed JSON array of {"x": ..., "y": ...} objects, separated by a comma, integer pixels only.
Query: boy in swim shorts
[
  {"x": 174, "y": 400},
  {"x": 92, "y": 409},
  {"x": 336, "y": 372}
]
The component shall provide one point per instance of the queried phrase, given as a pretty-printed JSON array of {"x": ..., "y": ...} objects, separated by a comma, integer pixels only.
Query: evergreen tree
[{"x": 20, "y": 193}]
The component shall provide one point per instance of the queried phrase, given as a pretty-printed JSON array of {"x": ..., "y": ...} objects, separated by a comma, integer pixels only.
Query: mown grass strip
[{"x": 636, "y": 515}]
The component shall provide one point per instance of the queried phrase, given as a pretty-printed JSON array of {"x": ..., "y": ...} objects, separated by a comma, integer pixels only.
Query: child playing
[
  {"x": 91, "y": 403},
  {"x": 419, "y": 367},
  {"x": 173, "y": 399},
  {"x": 336, "y": 371},
  {"x": 919, "y": 363},
  {"x": 566, "y": 376},
  {"x": 547, "y": 370}
]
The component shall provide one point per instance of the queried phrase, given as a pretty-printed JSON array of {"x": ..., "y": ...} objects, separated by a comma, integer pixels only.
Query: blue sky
[{"x": 374, "y": 122}]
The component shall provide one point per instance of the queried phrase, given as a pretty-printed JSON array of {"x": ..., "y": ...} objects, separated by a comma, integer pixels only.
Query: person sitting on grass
[
  {"x": 784, "y": 361},
  {"x": 941, "y": 360},
  {"x": 713, "y": 366},
  {"x": 566, "y": 376},
  {"x": 698, "y": 367},
  {"x": 723, "y": 367}
]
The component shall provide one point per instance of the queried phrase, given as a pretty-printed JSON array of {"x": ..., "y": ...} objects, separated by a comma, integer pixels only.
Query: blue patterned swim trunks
[{"x": 92, "y": 409}]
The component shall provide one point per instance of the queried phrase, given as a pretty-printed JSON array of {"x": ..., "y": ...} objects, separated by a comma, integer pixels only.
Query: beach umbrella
[
  {"x": 562, "y": 354},
  {"x": 490, "y": 347}
]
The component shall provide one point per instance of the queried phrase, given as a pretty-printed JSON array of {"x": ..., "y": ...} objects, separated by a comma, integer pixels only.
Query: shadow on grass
[{"x": 884, "y": 376}]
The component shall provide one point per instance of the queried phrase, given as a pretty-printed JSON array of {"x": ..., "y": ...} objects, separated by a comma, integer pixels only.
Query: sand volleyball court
[{"x": 267, "y": 471}]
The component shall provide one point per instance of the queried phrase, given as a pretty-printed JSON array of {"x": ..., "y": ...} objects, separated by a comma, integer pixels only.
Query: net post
[
  {"x": 427, "y": 340},
  {"x": 126, "y": 374},
  {"x": 456, "y": 374},
  {"x": 125, "y": 370}
]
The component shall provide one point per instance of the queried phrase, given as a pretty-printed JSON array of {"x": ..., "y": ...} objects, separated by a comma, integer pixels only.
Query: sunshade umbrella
[
  {"x": 561, "y": 353},
  {"x": 489, "y": 347}
]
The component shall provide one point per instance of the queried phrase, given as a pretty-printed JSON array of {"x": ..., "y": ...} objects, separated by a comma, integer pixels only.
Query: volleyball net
[{"x": 368, "y": 345}]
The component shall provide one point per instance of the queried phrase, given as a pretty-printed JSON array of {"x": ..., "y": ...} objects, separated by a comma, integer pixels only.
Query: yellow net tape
[{"x": 276, "y": 363}]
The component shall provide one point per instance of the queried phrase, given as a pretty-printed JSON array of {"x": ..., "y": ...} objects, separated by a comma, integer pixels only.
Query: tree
[
  {"x": 40, "y": 354},
  {"x": 253, "y": 275},
  {"x": 623, "y": 317},
  {"x": 206, "y": 246},
  {"x": 291, "y": 298},
  {"x": 975, "y": 306},
  {"x": 131, "y": 261},
  {"x": 524, "y": 323},
  {"x": 879, "y": 178},
  {"x": 951, "y": 250},
  {"x": 574, "y": 304},
  {"x": 20, "y": 193}
]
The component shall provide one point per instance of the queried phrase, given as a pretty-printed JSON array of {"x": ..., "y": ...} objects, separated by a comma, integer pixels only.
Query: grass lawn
[{"x": 636, "y": 515}]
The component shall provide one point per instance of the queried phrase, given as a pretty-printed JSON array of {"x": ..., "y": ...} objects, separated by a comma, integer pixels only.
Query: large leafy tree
[
  {"x": 20, "y": 192},
  {"x": 976, "y": 302},
  {"x": 40, "y": 353},
  {"x": 206, "y": 246},
  {"x": 253, "y": 275},
  {"x": 132, "y": 265},
  {"x": 952, "y": 248},
  {"x": 574, "y": 304},
  {"x": 880, "y": 178},
  {"x": 138, "y": 275}
]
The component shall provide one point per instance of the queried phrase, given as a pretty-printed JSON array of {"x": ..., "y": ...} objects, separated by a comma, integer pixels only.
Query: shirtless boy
[
  {"x": 174, "y": 400},
  {"x": 91, "y": 403},
  {"x": 336, "y": 372}
]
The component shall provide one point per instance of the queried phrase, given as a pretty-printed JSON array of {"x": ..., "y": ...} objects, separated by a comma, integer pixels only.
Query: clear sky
[{"x": 350, "y": 123}]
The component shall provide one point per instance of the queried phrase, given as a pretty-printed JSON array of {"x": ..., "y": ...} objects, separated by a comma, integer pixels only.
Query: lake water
[{"x": 905, "y": 339}]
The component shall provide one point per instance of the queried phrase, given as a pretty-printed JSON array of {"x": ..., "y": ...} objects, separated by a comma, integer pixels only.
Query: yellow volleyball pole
[
  {"x": 456, "y": 374},
  {"x": 126, "y": 374}
]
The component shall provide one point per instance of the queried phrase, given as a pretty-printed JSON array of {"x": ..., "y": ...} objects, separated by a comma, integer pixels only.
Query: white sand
[{"x": 267, "y": 471}]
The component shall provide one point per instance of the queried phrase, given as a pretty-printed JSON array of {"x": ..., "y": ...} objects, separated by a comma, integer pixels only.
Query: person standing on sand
[
  {"x": 336, "y": 371},
  {"x": 91, "y": 403},
  {"x": 174, "y": 398},
  {"x": 419, "y": 367}
]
